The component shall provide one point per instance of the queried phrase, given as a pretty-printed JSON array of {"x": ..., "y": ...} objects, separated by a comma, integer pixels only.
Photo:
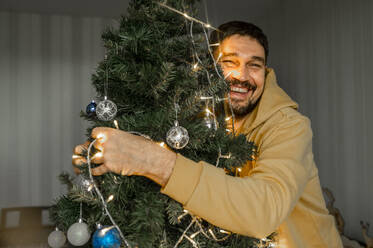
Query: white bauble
[
  {"x": 56, "y": 239},
  {"x": 78, "y": 234}
]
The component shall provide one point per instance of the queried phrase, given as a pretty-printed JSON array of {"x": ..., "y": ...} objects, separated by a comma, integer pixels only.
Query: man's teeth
[{"x": 241, "y": 90}]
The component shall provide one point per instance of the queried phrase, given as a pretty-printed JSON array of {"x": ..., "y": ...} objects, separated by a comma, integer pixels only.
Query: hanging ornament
[
  {"x": 78, "y": 233},
  {"x": 83, "y": 183},
  {"x": 91, "y": 108},
  {"x": 177, "y": 137},
  {"x": 106, "y": 110},
  {"x": 56, "y": 239},
  {"x": 105, "y": 237},
  {"x": 208, "y": 114},
  {"x": 209, "y": 120}
]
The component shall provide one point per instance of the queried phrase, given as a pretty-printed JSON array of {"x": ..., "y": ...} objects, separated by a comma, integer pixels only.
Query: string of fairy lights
[{"x": 106, "y": 111}]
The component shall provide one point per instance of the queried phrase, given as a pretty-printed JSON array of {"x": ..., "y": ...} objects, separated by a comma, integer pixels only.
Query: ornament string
[
  {"x": 81, "y": 212},
  {"x": 100, "y": 194},
  {"x": 177, "y": 108},
  {"x": 106, "y": 77}
]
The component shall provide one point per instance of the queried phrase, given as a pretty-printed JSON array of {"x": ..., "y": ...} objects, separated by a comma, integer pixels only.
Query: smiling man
[
  {"x": 279, "y": 193},
  {"x": 243, "y": 62}
]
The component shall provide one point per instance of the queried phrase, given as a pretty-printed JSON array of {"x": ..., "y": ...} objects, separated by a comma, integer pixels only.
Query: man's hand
[{"x": 127, "y": 154}]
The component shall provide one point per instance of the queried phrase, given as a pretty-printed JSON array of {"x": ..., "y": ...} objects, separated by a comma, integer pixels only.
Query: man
[{"x": 279, "y": 193}]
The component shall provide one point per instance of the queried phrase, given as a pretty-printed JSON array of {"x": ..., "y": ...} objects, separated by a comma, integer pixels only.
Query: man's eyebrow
[
  {"x": 229, "y": 54},
  {"x": 261, "y": 59}
]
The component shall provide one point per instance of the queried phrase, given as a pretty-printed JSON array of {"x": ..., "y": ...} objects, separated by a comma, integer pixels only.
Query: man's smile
[{"x": 241, "y": 92}]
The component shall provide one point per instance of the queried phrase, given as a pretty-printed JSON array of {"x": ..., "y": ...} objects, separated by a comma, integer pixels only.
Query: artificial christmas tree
[{"x": 158, "y": 80}]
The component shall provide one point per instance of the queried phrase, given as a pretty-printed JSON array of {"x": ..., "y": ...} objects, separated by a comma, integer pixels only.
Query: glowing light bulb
[
  {"x": 101, "y": 137},
  {"x": 98, "y": 155},
  {"x": 110, "y": 198},
  {"x": 208, "y": 25},
  {"x": 214, "y": 44},
  {"x": 208, "y": 111},
  {"x": 226, "y": 156},
  {"x": 194, "y": 235},
  {"x": 116, "y": 124},
  {"x": 90, "y": 187}
]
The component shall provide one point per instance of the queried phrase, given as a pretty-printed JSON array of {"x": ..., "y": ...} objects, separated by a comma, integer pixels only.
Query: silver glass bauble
[
  {"x": 106, "y": 110},
  {"x": 177, "y": 137}
]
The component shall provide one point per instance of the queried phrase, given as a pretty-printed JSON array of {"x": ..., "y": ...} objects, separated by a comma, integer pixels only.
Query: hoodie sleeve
[{"x": 257, "y": 204}]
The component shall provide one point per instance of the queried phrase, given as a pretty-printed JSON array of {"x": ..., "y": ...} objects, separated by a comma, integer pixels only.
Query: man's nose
[{"x": 241, "y": 73}]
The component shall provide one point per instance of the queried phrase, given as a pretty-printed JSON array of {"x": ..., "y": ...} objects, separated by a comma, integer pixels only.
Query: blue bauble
[
  {"x": 105, "y": 237},
  {"x": 91, "y": 108}
]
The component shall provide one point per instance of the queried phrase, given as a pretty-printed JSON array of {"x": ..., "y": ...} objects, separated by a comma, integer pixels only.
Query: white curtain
[
  {"x": 45, "y": 68},
  {"x": 322, "y": 52}
]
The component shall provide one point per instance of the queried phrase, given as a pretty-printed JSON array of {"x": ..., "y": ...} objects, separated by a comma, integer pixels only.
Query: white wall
[
  {"x": 45, "y": 68},
  {"x": 322, "y": 52}
]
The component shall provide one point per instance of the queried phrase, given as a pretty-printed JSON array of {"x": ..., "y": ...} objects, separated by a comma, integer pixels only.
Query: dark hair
[{"x": 241, "y": 28}]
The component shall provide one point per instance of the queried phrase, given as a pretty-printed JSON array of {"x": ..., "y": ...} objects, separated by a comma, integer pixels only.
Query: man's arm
[
  {"x": 255, "y": 205},
  {"x": 127, "y": 154}
]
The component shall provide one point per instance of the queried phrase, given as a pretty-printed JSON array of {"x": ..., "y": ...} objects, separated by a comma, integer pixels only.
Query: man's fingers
[
  {"x": 79, "y": 160},
  {"x": 97, "y": 158},
  {"x": 100, "y": 133},
  {"x": 98, "y": 145},
  {"x": 80, "y": 149},
  {"x": 102, "y": 169}
]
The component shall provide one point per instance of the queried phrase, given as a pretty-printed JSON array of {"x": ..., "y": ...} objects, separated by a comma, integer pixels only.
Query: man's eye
[
  {"x": 228, "y": 62},
  {"x": 256, "y": 65}
]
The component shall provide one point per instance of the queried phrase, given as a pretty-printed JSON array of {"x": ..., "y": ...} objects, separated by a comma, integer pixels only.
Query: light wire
[{"x": 100, "y": 195}]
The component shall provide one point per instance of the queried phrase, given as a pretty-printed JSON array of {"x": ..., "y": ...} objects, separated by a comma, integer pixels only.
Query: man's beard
[{"x": 242, "y": 110}]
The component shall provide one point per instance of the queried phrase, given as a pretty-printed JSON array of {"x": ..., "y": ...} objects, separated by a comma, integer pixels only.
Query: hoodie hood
[{"x": 272, "y": 100}]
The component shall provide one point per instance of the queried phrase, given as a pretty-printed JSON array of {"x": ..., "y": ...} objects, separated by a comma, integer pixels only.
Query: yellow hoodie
[{"x": 280, "y": 192}]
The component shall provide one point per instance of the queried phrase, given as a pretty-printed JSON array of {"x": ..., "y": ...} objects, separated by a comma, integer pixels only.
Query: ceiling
[
  {"x": 93, "y": 8},
  {"x": 114, "y": 8}
]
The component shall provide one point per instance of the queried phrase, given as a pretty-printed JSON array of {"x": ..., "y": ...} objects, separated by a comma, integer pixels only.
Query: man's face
[{"x": 242, "y": 59}]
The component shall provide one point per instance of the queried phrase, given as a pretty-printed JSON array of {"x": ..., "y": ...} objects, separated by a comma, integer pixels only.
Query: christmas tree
[{"x": 161, "y": 81}]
